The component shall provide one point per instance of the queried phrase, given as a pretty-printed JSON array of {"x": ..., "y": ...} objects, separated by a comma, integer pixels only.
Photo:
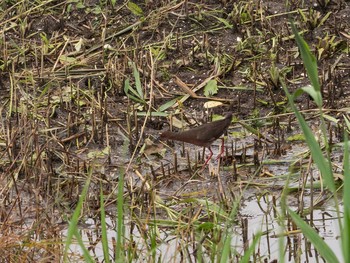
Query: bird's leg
[
  {"x": 222, "y": 148},
  {"x": 209, "y": 157}
]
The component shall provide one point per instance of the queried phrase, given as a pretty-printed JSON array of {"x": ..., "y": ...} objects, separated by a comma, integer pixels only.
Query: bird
[{"x": 203, "y": 135}]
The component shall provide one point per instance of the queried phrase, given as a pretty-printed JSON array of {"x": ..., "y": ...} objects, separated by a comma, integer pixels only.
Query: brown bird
[{"x": 203, "y": 135}]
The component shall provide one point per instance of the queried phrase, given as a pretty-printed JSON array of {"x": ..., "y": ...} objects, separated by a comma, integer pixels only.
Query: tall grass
[{"x": 320, "y": 158}]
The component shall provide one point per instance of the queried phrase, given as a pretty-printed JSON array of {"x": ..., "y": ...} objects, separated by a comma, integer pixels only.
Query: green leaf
[
  {"x": 153, "y": 113},
  {"x": 315, "y": 95},
  {"x": 119, "y": 247},
  {"x": 206, "y": 226},
  {"x": 67, "y": 60},
  {"x": 128, "y": 90},
  {"x": 331, "y": 118},
  {"x": 73, "y": 222},
  {"x": 250, "y": 251},
  {"x": 225, "y": 22},
  {"x": 346, "y": 198},
  {"x": 310, "y": 65},
  {"x": 316, "y": 152},
  {"x": 296, "y": 137},
  {"x": 347, "y": 122},
  {"x": 168, "y": 104},
  {"x": 137, "y": 81},
  {"x": 226, "y": 251},
  {"x": 211, "y": 88},
  {"x": 104, "y": 231},
  {"x": 80, "y": 5},
  {"x": 297, "y": 93},
  {"x": 87, "y": 257},
  {"x": 321, "y": 246},
  {"x": 263, "y": 102},
  {"x": 250, "y": 128},
  {"x": 135, "y": 9}
]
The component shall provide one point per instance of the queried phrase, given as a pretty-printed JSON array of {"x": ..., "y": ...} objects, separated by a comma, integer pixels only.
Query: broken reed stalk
[
  {"x": 175, "y": 163},
  {"x": 189, "y": 163}
]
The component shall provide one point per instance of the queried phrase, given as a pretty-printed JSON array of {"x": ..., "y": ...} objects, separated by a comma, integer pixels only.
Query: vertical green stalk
[
  {"x": 345, "y": 233},
  {"x": 104, "y": 239},
  {"x": 73, "y": 224},
  {"x": 119, "y": 256}
]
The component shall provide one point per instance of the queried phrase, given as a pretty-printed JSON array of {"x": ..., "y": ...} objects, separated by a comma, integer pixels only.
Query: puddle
[{"x": 169, "y": 246}]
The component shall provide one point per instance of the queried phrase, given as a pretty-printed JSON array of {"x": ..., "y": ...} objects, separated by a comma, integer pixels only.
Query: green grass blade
[
  {"x": 321, "y": 246},
  {"x": 249, "y": 252},
  {"x": 73, "y": 224},
  {"x": 310, "y": 65},
  {"x": 137, "y": 81},
  {"x": 168, "y": 104},
  {"x": 130, "y": 90},
  {"x": 120, "y": 219},
  {"x": 87, "y": 257},
  {"x": 104, "y": 239},
  {"x": 226, "y": 251},
  {"x": 346, "y": 198},
  {"x": 316, "y": 152}
]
